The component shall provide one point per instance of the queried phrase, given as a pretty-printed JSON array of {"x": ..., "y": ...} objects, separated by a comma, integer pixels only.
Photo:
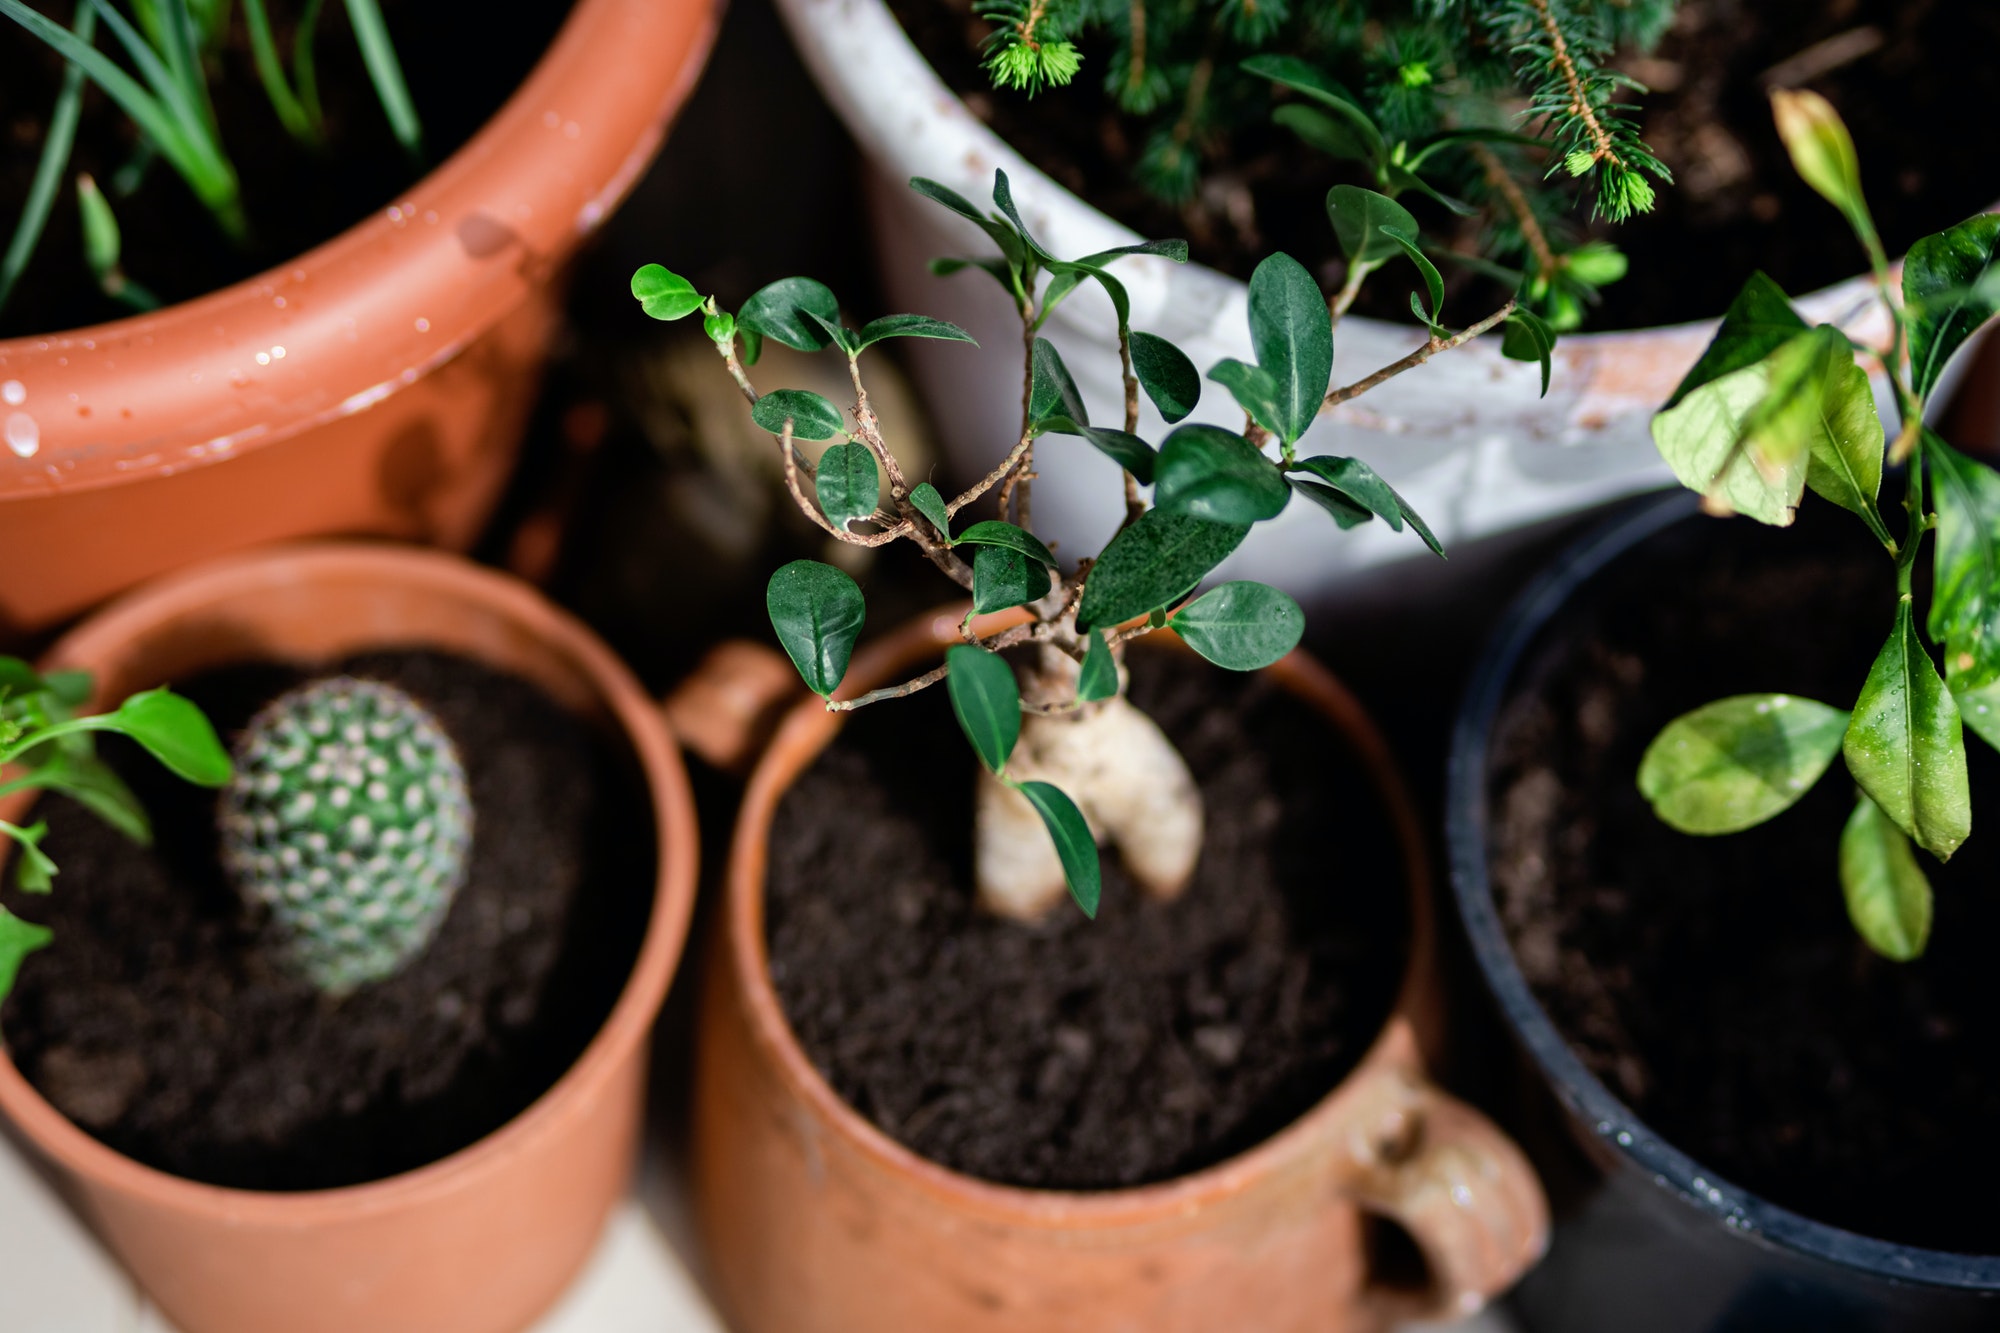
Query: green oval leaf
[
  {"x": 664, "y": 294},
  {"x": 911, "y": 326},
  {"x": 1292, "y": 334},
  {"x": 1074, "y": 846},
  {"x": 1253, "y": 389},
  {"x": 1359, "y": 482},
  {"x": 1942, "y": 284},
  {"x": 1362, "y": 220},
  {"x": 1700, "y": 439},
  {"x": 18, "y": 939},
  {"x": 817, "y": 611},
  {"x": 1210, "y": 473},
  {"x": 1965, "y": 599},
  {"x": 1334, "y": 136},
  {"x": 34, "y": 872},
  {"x": 1343, "y": 510},
  {"x": 1003, "y": 195},
  {"x": 1166, "y": 374},
  {"x": 791, "y": 311},
  {"x": 1526, "y": 336},
  {"x": 986, "y": 700},
  {"x": 926, "y": 501},
  {"x": 1732, "y": 764},
  {"x": 1098, "y": 677},
  {"x": 813, "y": 417},
  {"x": 1888, "y": 897},
  {"x": 1905, "y": 745},
  {"x": 1757, "y": 322},
  {"x": 1128, "y": 451},
  {"x": 1051, "y": 391},
  {"x": 1241, "y": 626},
  {"x": 992, "y": 532},
  {"x": 1152, "y": 562},
  {"x": 849, "y": 485},
  {"x": 1433, "y": 280},
  {"x": 174, "y": 732},
  {"x": 1002, "y": 578}
]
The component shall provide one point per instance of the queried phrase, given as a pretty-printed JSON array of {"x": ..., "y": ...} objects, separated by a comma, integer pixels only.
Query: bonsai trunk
[{"x": 1124, "y": 775}]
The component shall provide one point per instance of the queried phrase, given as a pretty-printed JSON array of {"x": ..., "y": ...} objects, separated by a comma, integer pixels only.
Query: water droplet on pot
[
  {"x": 423, "y": 325},
  {"x": 263, "y": 358},
  {"x": 277, "y": 354},
  {"x": 13, "y": 393},
  {"x": 24, "y": 437}
]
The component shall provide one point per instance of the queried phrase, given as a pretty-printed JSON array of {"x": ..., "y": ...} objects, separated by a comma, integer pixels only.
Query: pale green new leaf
[
  {"x": 1732, "y": 764},
  {"x": 1888, "y": 897},
  {"x": 1701, "y": 439},
  {"x": 1905, "y": 744}
]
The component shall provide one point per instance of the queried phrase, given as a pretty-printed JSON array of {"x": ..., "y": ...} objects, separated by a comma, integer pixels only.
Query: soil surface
[
  {"x": 1915, "y": 101},
  {"x": 1715, "y": 984},
  {"x": 155, "y": 1021},
  {"x": 460, "y": 65},
  {"x": 1157, "y": 1040}
]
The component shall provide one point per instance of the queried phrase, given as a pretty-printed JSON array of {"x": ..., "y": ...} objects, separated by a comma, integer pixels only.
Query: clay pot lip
[
  {"x": 624, "y": 700},
  {"x": 808, "y": 728},
  {"x": 377, "y": 271},
  {"x": 1583, "y": 1096}
]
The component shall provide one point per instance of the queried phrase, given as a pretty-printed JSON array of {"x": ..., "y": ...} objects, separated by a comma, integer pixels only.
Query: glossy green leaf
[
  {"x": 1241, "y": 626},
  {"x": 993, "y": 532},
  {"x": 34, "y": 872},
  {"x": 1888, "y": 897},
  {"x": 849, "y": 484},
  {"x": 1343, "y": 510},
  {"x": 813, "y": 417},
  {"x": 1292, "y": 334},
  {"x": 1833, "y": 408},
  {"x": 1166, "y": 374},
  {"x": 1098, "y": 677},
  {"x": 1526, "y": 336},
  {"x": 987, "y": 702},
  {"x": 846, "y": 339},
  {"x": 664, "y": 294},
  {"x": 791, "y": 311},
  {"x": 1701, "y": 440},
  {"x": 817, "y": 611},
  {"x": 1208, "y": 472},
  {"x": 1433, "y": 280},
  {"x": 1175, "y": 250},
  {"x": 1905, "y": 745},
  {"x": 1074, "y": 846},
  {"x": 1732, "y": 764},
  {"x": 1155, "y": 560},
  {"x": 96, "y": 786},
  {"x": 1051, "y": 391},
  {"x": 926, "y": 500},
  {"x": 911, "y": 326},
  {"x": 1002, "y": 578},
  {"x": 1757, "y": 322},
  {"x": 1253, "y": 388},
  {"x": 18, "y": 939},
  {"x": 1000, "y": 233},
  {"x": 1129, "y": 451},
  {"x": 174, "y": 732},
  {"x": 1359, "y": 482},
  {"x": 719, "y": 327},
  {"x": 1978, "y": 706},
  {"x": 1965, "y": 597},
  {"x": 1942, "y": 286},
  {"x": 1003, "y": 197},
  {"x": 1362, "y": 223}
]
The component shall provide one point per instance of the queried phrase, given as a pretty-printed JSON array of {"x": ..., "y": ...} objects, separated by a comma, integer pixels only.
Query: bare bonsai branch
[
  {"x": 1430, "y": 349},
  {"x": 1510, "y": 191}
]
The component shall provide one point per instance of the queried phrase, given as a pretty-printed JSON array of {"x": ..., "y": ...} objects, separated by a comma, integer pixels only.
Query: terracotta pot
[
  {"x": 817, "y": 1222},
  {"x": 376, "y": 385},
  {"x": 483, "y": 1240}
]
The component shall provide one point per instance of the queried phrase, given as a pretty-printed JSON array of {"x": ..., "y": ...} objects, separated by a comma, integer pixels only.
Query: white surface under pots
[{"x": 1465, "y": 439}]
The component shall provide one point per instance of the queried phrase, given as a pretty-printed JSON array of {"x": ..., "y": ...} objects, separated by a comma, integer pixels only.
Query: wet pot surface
[{"x": 1779, "y": 1070}]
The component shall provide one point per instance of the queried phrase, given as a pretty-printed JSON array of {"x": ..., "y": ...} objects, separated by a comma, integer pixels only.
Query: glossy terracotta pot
[
  {"x": 376, "y": 385},
  {"x": 817, "y": 1222},
  {"x": 485, "y": 1239}
]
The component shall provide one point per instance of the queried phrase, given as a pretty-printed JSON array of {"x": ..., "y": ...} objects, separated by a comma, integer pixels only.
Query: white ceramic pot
[{"x": 1465, "y": 439}]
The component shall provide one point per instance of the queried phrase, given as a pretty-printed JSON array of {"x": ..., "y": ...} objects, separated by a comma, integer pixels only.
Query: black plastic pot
[{"x": 1646, "y": 1239}]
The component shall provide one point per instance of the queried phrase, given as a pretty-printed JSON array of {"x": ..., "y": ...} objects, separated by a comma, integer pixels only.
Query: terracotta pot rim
[
  {"x": 643, "y": 728},
  {"x": 403, "y": 257},
  {"x": 809, "y": 726}
]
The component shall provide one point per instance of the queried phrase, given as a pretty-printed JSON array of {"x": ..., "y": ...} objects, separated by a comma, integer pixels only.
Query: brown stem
[
  {"x": 1019, "y": 634},
  {"x": 993, "y": 478},
  {"x": 1357, "y": 273},
  {"x": 1430, "y": 349},
  {"x": 1135, "y": 70},
  {"x": 1509, "y": 189},
  {"x": 794, "y": 460},
  {"x": 1579, "y": 103}
]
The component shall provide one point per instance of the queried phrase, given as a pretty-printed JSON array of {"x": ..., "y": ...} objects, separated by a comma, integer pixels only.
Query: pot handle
[
  {"x": 1447, "y": 1175},
  {"x": 732, "y": 702}
]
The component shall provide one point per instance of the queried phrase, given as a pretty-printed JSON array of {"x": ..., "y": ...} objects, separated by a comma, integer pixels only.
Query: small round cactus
[{"x": 348, "y": 822}]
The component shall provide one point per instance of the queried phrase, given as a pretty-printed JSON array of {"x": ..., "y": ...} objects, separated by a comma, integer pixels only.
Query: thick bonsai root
[{"x": 1130, "y": 783}]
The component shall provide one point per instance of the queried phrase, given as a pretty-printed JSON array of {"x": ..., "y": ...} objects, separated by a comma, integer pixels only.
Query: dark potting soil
[
  {"x": 156, "y": 1022},
  {"x": 1715, "y": 984},
  {"x": 1916, "y": 103},
  {"x": 460, "y": 60},
  {"x": 1073, "y": 1054}
]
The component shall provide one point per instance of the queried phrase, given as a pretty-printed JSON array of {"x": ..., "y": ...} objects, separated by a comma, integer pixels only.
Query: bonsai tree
[
  {"x": 1061, "y": 748},
  {"x": 169, "y": 44},
  {"x": 1774, "y": 408},
  {"x": 1426, "y": 97},
  {"x": 46, "y": 746}
]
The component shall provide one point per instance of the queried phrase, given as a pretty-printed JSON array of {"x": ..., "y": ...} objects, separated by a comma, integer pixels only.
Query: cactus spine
[{"x": 349, "y": 823}]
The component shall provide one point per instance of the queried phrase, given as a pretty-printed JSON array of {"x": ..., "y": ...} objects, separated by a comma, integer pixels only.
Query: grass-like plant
[
  {"x": 170, "y": 44},
  {"x": 46, "y": 746},
  {"x": 1060, "y": 747},
  {"x": 1484, "y": 105},
  {"x": 1774, "y": 408}
]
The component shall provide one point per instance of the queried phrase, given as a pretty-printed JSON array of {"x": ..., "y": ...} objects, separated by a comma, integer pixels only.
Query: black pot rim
[{"x": 1579, "y": 1090}]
